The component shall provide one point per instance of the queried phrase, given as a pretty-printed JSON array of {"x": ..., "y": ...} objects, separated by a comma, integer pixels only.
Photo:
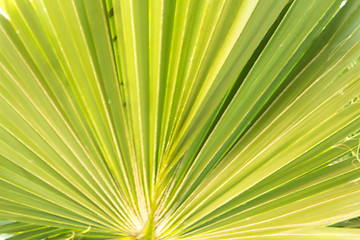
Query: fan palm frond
[{"x": 133, "y": 119}]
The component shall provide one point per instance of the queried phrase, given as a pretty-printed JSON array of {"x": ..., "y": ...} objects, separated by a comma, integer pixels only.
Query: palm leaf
[{"x": 186, "y": 119}]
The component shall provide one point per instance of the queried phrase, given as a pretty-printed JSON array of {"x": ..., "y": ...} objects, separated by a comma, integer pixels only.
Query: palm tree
[{"x": 187, "y": 119}]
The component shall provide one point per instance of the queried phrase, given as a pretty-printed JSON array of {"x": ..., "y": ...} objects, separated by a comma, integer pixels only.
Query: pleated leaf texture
[{"x": 179, "y": 119}]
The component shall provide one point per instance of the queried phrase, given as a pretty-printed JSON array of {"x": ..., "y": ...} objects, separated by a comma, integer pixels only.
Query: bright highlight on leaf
[
  {"x": 3, "y": 14},
  {"x": 187, "y": 119}
]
